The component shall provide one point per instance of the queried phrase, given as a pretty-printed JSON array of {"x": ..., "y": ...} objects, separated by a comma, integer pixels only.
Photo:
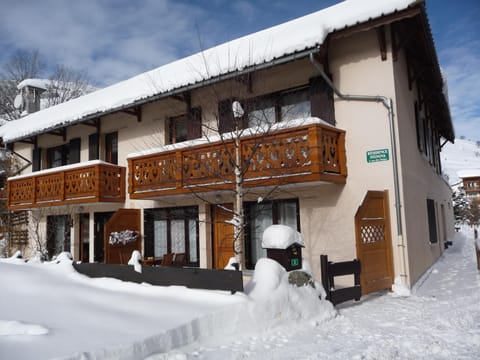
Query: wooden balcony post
[
  {"x": 98, "y": 181},
  {"x": 34, "y": 199},
  {"x": 122, "y": 180},
  {"x": 130, "y": 176},
  {"x": 342, "y": 156},
  {"x": 316, "y": 149},
  {"x": 179, "y": 169}
]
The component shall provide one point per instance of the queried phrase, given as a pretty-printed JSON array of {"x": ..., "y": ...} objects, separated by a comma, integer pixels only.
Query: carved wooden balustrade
[
  {"x": 306, "y": 153},
  {"x": 83, "y": 183}
]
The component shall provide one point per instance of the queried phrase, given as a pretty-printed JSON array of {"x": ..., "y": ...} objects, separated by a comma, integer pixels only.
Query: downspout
[{"x": 388, "y": 103}]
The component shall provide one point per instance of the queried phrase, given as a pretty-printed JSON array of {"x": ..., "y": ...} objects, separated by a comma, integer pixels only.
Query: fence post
[{"x": 325, "y": 275}]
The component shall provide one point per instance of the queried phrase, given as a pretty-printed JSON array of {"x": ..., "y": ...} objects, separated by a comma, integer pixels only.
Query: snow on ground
[
  {"x": 441, "y": 320},
  {"x": 49, "y": 311}
]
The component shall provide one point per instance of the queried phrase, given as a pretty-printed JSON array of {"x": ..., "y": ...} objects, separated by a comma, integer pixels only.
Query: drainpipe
[{"x": 388, "y": 103}]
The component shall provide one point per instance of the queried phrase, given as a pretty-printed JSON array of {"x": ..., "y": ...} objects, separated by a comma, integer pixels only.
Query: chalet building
[
  {"x": 471, "y": 183},
  {"x": 340, "y": 116}
]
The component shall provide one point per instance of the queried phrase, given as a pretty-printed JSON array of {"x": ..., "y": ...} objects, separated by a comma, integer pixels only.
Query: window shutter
[
  {"x": 432, "y": 220},
  {"x": 74, "y": 151},
  {"x": 225, "y": 116},
  {"x": 321, "y": 100},
  {"x": 194, "y": 127},
  {"x": 36, "y": 159},
  {"x": 93, "y": 146},
  {"x": 148, "y": 235}
]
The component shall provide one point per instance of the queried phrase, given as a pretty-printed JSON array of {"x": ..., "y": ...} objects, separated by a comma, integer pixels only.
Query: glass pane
[
  {"x": 287, "y": 214},
  {"x": 295, "y": 106},
  {"x": 160, "y": 238},
  {"x": 192, "y": 236},
  {"x": 260, "y": 219},
  {"x": 180, "y": 124},
  {"x": 178, "y": 236},
  {"x": 261, "y": 117}
]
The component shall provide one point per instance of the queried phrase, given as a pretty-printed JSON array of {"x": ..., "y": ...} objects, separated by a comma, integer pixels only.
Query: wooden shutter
[
  {"x": 36, "y": 159},
  {"x": 111, "y": 143},
  {"x": 225, "y": 116},
  {"x": 148, "y": 234},
  {"x": 74, "y": 151},
  {"x": 321, "y": 100},
  {"x": 194, "y": 126},
  {"x": 432, "y": 221},
  {"x": 93, "y": 146}
]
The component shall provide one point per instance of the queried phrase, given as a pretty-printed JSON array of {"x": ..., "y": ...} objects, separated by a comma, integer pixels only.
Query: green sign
[
  {"x": 294, "y": 262},
  {"x": 377, "y": 155}
]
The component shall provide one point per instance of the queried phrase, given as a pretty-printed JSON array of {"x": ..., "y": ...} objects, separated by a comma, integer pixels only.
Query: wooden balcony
[
  {"x": 89, "y": 182},
  {"x": 308, "y": 153}
]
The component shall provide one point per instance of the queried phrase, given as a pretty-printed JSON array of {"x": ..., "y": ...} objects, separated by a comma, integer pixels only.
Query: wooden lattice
[{"x": 372, "y": 234}]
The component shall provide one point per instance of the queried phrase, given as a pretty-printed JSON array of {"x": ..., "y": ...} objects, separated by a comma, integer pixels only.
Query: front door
[
  {"x": 223, "y": 236},
  {"x": 100, "y": 220},
  {"x": 374, "y": 244}
]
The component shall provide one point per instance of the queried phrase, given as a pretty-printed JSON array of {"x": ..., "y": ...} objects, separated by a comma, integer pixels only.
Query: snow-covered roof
[
  {"x": 37, "y": 83},
  {"x": 464, "y": 174},
  {"x": 304, "y": 33}
]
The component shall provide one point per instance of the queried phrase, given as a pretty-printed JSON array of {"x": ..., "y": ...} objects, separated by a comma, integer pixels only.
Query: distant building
[{"x": 471, "y": 182}]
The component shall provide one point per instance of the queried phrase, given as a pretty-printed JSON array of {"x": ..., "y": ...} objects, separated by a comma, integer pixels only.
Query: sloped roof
[
  {"x": 307, "y": 32},
  {"x": 469, "y": 173}
]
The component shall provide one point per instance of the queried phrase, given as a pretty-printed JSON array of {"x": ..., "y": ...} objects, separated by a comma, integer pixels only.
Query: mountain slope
[{"x": 463, "y": 155}]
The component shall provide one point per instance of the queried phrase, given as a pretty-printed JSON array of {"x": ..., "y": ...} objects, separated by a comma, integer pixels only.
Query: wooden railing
[
  {"x": 91, "y": 182},
  {"x": 306, "y": 153}
]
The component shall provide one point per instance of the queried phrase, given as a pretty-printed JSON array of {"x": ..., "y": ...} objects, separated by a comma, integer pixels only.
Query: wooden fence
[
  {"x": 330, "y": 270},
  {"x": 194, "y": 278}
]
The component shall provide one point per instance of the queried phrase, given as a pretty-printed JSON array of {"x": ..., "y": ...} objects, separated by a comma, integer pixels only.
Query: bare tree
[{"x": 64, "y": 83}]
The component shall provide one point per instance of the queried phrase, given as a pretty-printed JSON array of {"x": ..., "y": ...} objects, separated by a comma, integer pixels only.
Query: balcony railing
[
  {"x": 89, "y": 182},
  {"x": 307, "y": 153}
]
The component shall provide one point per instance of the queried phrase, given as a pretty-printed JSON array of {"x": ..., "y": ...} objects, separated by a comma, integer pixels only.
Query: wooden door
[
  {"x": 122, "y": 220},
  {"x": 223, "y": 236},
  {"x": 374, "y": 244}
]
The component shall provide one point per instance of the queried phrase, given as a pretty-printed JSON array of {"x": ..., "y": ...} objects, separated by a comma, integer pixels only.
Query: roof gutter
[
  {"x": 388, "y": 104},
  {"x": 278, "y": 61}
]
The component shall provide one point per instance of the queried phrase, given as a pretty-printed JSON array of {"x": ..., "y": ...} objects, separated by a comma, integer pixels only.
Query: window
[
  {"x": 172, "y": 230},
  {"x": 111, "y": 148},
  {"x": 178, "y": 129},
  {"x": 60, "y": 155},
  {"x": 314, "y": 99},
  {"x": 262, "y": 215},
  {"x": 58, "y": 234},
  {"x": 432, "y": 221},
  {"x": 419, "y": 127},
  {"x": 56, "y": 156},
  {"x": 185, "y": 127}
]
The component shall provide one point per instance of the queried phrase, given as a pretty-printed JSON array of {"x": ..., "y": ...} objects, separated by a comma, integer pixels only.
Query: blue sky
[{"x": 115, "y": 40}]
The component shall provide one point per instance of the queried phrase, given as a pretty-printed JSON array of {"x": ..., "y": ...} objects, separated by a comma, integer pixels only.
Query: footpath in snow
[{"x": 440, "y": 320}]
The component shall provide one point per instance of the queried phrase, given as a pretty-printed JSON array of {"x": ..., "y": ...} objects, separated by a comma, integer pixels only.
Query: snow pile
[
  {"x": 277, "y": 301},
  {"x": 281, "y": 237},
  {"x": 400, "y": 289},
  {"x": 10, "y": 328},
  {"x": 14, "y": 259},
  {"x": 135, "y": 261}
]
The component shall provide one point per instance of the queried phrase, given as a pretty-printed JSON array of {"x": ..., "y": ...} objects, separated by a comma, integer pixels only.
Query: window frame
[
  {"x": 275, "y": 206},
  {"x": 185, "y": 213}
]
